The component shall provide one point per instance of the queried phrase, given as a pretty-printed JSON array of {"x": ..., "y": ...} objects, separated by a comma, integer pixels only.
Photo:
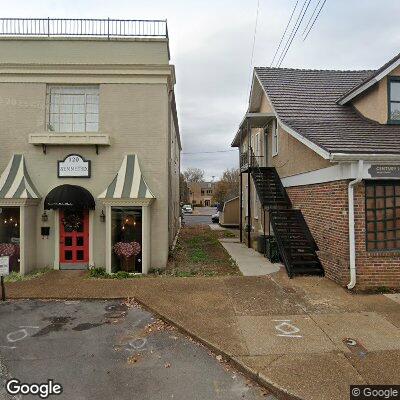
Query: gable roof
[
  {"x": 374, "y": 77},
  {"x": 305, "y": 102}
]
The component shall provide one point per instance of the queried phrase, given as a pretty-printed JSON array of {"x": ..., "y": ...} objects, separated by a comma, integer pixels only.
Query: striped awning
[
  {"x": 15, "y": 182},
  {"x": 129, "y": 182}
]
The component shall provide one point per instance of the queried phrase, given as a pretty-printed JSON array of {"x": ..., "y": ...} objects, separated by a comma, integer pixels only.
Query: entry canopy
[
  {"x": 129, "y": 183},
  {"x": 15, "y": 182},
  {"x": 69, "y": 197}
]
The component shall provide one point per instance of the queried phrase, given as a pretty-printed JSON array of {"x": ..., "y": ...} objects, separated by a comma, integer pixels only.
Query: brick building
[
  {"x": 320, "y": 171},
  {"x": 201, "y": 193}
]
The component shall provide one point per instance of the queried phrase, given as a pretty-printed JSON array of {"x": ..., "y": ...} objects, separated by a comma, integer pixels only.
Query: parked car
[
  {"x": 215, "y": 217},
  {"x": 187, "y": 209}
]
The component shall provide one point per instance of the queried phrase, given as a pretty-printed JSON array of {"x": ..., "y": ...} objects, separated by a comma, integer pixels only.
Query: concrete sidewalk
[
  {"x": 250, "y": 262},
  {"x": 303, "y": 338}
]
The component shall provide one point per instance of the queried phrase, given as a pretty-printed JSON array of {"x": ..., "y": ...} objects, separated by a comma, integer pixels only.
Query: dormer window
[{"x": 394, "y": 100}]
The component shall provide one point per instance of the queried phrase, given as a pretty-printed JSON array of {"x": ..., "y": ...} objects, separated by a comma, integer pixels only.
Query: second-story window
[
  {"x": 394, "y": 100},
  {"x": 72, "y": 108},
  {"x": 275, "y": 138}
]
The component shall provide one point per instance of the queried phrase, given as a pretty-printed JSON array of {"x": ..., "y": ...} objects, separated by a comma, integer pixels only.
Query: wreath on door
[{"x": 72, "y": 222}]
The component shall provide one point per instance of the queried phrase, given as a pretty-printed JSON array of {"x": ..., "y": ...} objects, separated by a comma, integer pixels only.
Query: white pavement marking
[{"x": 286, "y": 328}]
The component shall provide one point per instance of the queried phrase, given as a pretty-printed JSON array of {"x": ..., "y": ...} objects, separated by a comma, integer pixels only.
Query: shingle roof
[
  {"x": 305, "y": 100},
  {"x": 371, "y": 77}
]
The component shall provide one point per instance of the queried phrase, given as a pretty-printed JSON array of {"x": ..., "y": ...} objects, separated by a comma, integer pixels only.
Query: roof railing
[{"x": 79, "y": 27}]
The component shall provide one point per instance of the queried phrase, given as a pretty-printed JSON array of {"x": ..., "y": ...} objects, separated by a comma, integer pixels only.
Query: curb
[
  {"x": 278, "y": 391},
  {"x": 261, "y": 379}
]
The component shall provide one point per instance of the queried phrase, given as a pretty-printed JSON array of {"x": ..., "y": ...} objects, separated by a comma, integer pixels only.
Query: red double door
[{"x": 74, "y": 239}]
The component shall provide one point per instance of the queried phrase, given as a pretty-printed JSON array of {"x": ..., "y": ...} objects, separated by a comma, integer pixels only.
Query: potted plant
[{"x": 126, "y": 251}]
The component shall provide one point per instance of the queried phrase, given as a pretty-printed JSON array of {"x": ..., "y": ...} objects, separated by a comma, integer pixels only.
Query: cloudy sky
[{"x": 211, "y": 46}]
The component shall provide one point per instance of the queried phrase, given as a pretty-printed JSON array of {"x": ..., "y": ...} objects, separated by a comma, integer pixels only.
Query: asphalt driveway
[{"x": 109, "y": 350}]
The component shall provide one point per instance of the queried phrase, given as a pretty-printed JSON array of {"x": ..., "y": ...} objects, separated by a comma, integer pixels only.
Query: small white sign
[
  {"x": 74, "y": 166},
  {"x": 4, "y": 266}
]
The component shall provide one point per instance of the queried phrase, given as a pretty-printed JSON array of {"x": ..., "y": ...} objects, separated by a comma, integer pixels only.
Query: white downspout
[{"x": 352, "y": 241}]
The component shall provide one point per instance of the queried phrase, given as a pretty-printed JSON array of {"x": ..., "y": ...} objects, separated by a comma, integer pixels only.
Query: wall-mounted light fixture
[
  {"x": 45, "y": 217},
  {"x": 102, "y": 216}
]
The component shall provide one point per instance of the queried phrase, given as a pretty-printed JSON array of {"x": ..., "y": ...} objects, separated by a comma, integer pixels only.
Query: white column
[
  {"x": 22, "y": 236},
  {"x": 146, "y": 239},
  {"x": 56, "y": 239},
  {"x": 108, "y": 239},
  {"x": 91, "y": 238}
]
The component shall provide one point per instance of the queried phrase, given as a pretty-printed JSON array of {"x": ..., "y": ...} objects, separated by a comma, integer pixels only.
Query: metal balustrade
[{"x": 48, "y": 27}]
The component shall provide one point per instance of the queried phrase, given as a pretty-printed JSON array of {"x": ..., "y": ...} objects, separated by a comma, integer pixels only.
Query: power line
[
  {"x": 255, "y": 33},
  {"x": 291, "y": 33},
  {"x": 315, "y": 19},
  {"x": 309, "y": 20},
  {"x": 211, "y": 152},
  {"x": 301, "y": 16},
  {"x": 284, "y": 33},
  {"x": 254, "y": 44}
]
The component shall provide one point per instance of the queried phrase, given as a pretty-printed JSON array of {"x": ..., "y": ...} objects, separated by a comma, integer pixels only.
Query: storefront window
[
  {"x": 126, "y": 237},
  {"x": 10, "y": 235}
]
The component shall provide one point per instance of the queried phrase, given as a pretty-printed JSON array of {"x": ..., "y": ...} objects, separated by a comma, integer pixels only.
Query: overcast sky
[{"x": 211, "y": 46}]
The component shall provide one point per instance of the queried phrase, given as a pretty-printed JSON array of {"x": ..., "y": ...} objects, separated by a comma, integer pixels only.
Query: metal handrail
[{"x": 83, "y": 27}]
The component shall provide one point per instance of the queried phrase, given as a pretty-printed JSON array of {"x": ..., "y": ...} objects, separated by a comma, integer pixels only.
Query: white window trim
[
  {"x": 275, "y": 139},
  {"x": 54, "y": 90}
]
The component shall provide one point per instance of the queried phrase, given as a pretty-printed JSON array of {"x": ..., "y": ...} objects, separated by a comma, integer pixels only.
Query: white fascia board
[
  {"x": 334, "y": 173},
  {"x": 357, "y": 92},
  {"x": 320, "y": 151},
  {"x": 369, "y": 83},
  {"x": 338, "y": 172},
  {"x": 382, "y": 158}
]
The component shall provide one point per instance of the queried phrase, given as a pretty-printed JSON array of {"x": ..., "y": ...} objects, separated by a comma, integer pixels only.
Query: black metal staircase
[{"x": 295, "y": 242}]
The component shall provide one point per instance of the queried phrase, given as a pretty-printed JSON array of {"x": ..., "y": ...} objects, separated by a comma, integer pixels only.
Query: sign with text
[
  {"x": 384, "y": 171},
  {"x": 74, "y": 166},
  {"x": 4, "y": 266}
]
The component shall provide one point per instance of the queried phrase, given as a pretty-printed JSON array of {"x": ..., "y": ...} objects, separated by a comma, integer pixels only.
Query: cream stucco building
[{"x": 89, "y": 145}]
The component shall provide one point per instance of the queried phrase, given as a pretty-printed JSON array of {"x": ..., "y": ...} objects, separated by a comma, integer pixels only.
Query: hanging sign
[
  {"x": 4, "y": 266},
  {"x": 74, "y": 166},
  {"x": 384, "y": 171}
]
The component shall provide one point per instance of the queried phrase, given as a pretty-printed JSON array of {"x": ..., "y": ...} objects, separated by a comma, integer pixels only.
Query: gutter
[{"x": 352, "y": 184}]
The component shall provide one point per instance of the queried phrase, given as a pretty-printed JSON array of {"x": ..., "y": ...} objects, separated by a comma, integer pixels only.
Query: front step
[{"x": 296, "y": 245}]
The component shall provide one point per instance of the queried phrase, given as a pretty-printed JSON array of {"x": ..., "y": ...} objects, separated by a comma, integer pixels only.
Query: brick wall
[{"x": 325, "y": 207}]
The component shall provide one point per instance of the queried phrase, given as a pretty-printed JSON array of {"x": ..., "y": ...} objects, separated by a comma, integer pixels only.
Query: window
[
  {"x": 394, "y": 99},
  {"x": 126, "y": 236},
  {"x": 10, "y": 236},
  {"x": 275, "y": 139},
  {"x": 382, "y": 215},
  {"x": 72, "y": 108}
]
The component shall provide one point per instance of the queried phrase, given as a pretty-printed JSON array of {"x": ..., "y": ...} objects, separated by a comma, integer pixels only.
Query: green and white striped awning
[
  {"x": 129, "y": 182},
  {"x": 15, "y": 182}
]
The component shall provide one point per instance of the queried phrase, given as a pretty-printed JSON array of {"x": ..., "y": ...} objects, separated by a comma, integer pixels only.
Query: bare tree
[
  {"x": 183, "y": 190},
  {"x": 228, "y": 186},
  {"x": 193, "y": 175}
]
